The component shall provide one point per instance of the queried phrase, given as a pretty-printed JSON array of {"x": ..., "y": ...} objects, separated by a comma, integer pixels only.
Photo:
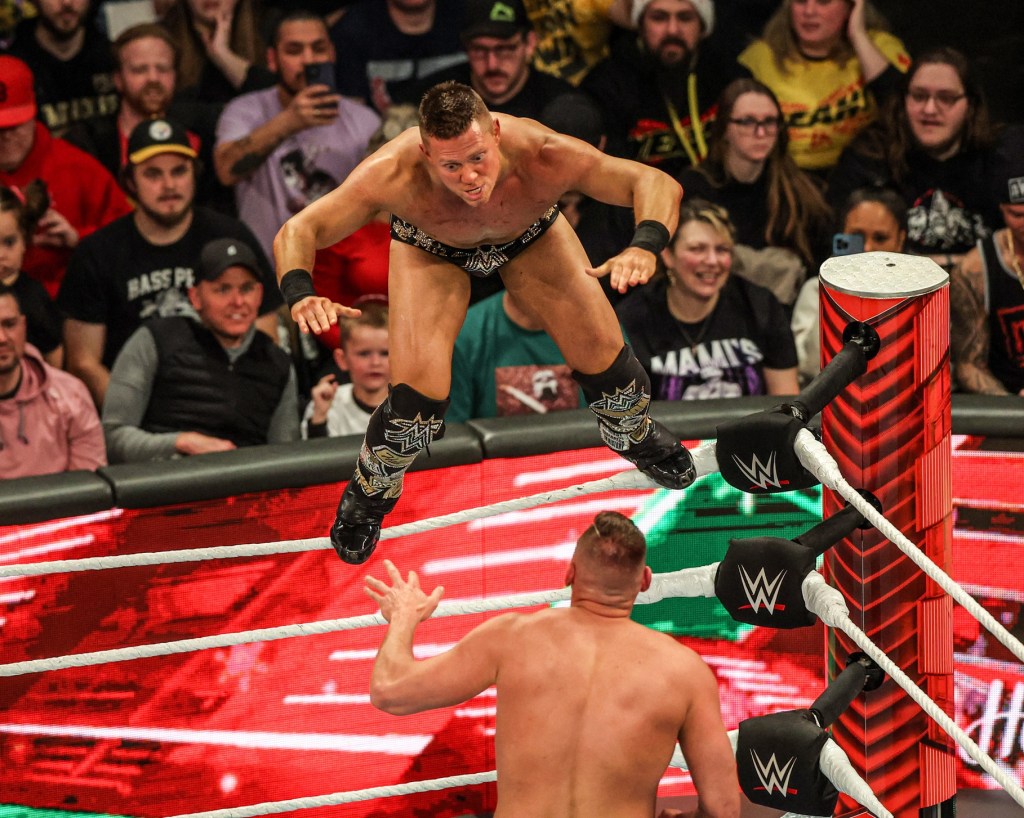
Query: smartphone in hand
[
  {"x": 321, "y": 73},
  {"x": 846, "y": 244}
]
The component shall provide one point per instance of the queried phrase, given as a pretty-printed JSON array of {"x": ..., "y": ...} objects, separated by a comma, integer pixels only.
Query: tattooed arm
[
  {"x": 238, "y": 159},
  {"x": 969, "y": 337}
]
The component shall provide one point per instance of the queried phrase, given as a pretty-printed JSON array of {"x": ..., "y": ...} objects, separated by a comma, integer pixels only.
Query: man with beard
[
  {"x": 500, "y": 45},
  {"x": 141, "y": 265},
  {"x": 658, "y": 91},
  {"x": 145, "y": 58},
  {"x": 71, "y": 62},
  {"x": 47, "y": 422},
  {"x": 285, "y": 146}
]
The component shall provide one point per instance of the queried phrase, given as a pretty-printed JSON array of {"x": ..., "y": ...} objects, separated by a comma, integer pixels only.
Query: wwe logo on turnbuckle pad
[
  {"x": 774, "y": 778},
  {"x": 762, "y": 475},
  {"x": 761, "y": 593}
]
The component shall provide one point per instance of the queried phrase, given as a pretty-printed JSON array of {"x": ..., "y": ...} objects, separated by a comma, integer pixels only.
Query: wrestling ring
[{"x": 809, "y": 461}]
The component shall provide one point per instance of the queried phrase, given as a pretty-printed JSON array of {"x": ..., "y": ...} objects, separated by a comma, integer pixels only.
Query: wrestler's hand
[
  {"x": 631, "y": 267},
  {"x": 402, "y": 596},
  {"x": 317, "y": 314}
]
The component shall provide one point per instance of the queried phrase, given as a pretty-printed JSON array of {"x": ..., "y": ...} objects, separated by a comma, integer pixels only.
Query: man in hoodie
[{"x": 47, "y": 419}]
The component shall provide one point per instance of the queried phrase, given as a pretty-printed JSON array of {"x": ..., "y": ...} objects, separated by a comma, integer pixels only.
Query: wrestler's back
[
  {"x": 529, "y": 184},
  {"x": 589, "y": 709}
]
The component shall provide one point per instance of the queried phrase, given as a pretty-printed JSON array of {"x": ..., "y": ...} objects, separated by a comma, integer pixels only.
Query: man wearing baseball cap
[
  {"x": 500, "y": 44},
  {"x": 658, "y": 93},
  {"x": 85, "y": 196},
  {"x": 142, "y": 265},
  {"x": 987, "y": 288},
  {"x": 190, "y": 385}
]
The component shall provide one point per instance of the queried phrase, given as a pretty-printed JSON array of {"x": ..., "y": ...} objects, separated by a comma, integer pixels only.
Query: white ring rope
[
  {"x": 820, "y": 463},
  {"x": 822, "y": 599},
  {"x": 828, "y": 603},
  {"x": 835, "y": 764},
  {"x": 689, "y": 582},
  {"x": 408, "y": 788},
  {"x": 703, "y": 458}
]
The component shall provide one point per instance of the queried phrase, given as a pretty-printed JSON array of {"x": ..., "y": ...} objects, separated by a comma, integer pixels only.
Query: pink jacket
[{"x": 50, "y": 425}]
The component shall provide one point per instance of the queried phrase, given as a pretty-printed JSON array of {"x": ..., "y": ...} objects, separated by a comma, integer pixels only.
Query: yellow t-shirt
[
  {"x": 572, "y": 35},
  {"x": 825, "y": 104}
]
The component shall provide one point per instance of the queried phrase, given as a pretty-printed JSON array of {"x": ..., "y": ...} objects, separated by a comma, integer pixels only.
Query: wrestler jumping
[{"x": 474, "y": 194}]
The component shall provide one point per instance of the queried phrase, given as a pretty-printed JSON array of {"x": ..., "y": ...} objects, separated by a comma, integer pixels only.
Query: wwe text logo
[
  {"x": 774, "y": 778},
  {"x": 761, "y": 593},
  {"x": 761, "y": 475}
]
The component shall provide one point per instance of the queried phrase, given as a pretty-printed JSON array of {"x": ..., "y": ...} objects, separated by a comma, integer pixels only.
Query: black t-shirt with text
[{"x": 119, "y": 279}]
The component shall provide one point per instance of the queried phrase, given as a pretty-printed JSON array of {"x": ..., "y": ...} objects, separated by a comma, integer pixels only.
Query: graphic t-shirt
[
  {"x": 306, "y": 166},
  {"x": 117, "y": 278},
  {"x": 825, "y": 104},
  {"x": 572, "y": 35},
  {"x": 724, "y": 357},
  {"x": 499, "y": 368}
]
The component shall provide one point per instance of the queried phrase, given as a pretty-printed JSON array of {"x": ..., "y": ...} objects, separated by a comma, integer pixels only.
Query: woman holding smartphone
[{"x": 872, "y": 219}]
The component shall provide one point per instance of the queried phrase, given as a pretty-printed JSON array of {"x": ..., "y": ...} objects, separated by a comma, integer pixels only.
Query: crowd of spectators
[{"x": 145, "y": 169}]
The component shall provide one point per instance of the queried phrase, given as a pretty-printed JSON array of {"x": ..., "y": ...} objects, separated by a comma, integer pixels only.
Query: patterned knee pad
[
  {"x": 399, "y": 428},
  {"x": 620, "y": 397}
]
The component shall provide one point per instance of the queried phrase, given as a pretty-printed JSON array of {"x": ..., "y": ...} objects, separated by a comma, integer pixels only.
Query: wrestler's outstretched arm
[
  {"x": 401, "y": 684},
  {"x": 320, "y": 224},
  {"x": 653, "y": 195}
]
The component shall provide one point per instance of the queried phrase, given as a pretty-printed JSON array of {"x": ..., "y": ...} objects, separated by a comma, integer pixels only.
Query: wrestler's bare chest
[{"x": 511, "y": 209}]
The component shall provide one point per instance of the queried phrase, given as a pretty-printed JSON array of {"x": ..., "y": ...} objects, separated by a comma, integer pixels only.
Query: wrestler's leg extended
[
  {"x": 427, "y": 304},
  {"x": 549, "y": 281}
]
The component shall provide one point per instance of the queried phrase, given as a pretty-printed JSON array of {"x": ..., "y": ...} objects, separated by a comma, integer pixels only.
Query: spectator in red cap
[{"x": 83, "y": 194}]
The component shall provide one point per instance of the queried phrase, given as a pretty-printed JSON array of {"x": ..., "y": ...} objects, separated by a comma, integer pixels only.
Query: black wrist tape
[
  {"x": 651, "y": 235},
  {"x": 295, "y": 285}
]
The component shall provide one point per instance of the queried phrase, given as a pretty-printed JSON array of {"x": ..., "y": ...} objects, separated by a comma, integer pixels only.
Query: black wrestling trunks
[{"x": 481, "y": 261}]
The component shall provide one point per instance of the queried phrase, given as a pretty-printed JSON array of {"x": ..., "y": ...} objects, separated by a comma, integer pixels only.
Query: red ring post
[{"x": 890, "y": 433}]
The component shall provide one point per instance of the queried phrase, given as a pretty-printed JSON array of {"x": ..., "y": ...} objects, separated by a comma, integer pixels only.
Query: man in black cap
[
  {"x": 141, "y": 265},
  {"x": 183, "y": 385},
  {"x": 500, "y": 45},
  {"x": 986, "y": 290}
]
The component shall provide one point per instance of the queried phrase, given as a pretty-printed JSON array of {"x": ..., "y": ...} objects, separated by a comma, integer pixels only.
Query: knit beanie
[{"x": 704, "y": 8}]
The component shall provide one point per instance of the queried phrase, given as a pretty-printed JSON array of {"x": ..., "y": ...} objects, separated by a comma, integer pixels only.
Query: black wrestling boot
[
  {"x": 663, "y": 458},
  {"x": 356, "y": 529}
]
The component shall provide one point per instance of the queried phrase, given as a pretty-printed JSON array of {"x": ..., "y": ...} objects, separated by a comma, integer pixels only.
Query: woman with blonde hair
[
  {"x": 830, "y": 63},
  {"x": 701, "y": 332}
]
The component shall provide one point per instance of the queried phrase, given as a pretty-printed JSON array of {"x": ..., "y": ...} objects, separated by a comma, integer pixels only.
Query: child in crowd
[
  {"x": 345, "y": 409},
  {"x": 20, "y": 211}
]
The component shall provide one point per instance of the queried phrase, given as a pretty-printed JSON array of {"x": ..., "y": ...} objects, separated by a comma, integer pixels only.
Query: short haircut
[
  {"x": 373, "y": 314},
  {"x": 139, "y": 32},
  {"x": 884, "y": 196},
  {"x": 449, "y": 109},
  {"x": 6, "y": 289},
  {"x": 701, "y": 210},
  {"x": 297, "y": 15},
  {"x": 613, "y": 542}
]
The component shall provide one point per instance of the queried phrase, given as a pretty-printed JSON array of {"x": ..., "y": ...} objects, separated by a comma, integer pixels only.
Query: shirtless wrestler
[
  {"x": 471, "y": 194},
  {"x": 590, "y": 703}
]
